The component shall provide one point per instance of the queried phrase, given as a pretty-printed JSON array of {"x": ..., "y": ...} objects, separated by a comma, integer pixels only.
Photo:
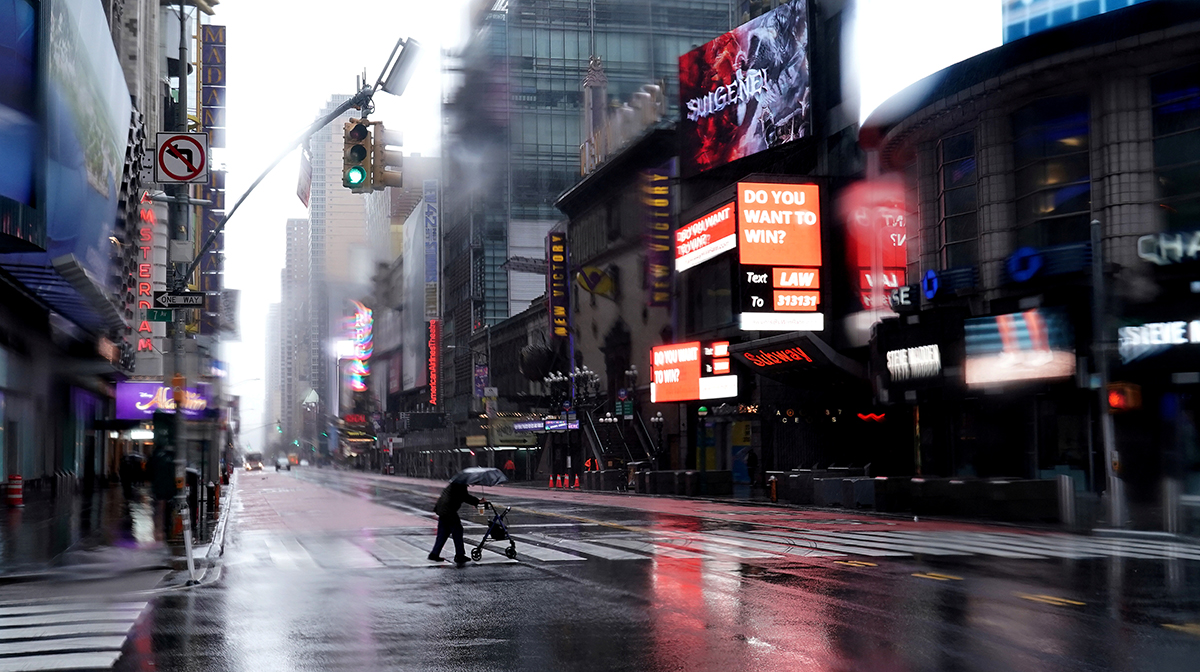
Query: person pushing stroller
[{"x": 449, "y": 524}]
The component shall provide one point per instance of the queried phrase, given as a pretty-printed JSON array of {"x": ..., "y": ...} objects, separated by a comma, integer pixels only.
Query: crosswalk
[
  {"x": 66, "y": 635},
  {"x": 760, "y": 545}
]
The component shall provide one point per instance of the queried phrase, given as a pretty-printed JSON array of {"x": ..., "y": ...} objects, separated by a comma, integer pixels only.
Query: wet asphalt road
[{"x": 325, "y": 571}]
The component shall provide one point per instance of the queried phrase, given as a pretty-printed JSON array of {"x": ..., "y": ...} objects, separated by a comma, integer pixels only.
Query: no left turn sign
[{"x": 181, "y": 157}]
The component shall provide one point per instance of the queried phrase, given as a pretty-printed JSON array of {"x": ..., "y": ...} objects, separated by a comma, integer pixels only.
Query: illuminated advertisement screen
[
  {"x": 705, "y": 238},
  {"x": 691, "y": 371},
  {"x": 1036, "y": 344},
  {"x": 746, "y": 91},
  {"x": 779, "y": 247},
  {"x": 140, "y": 400}
]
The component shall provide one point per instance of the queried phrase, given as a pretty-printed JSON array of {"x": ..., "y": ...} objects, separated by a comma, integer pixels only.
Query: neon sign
[
  {"x": 360, "y": 337},
  {"x": 435, "y": 329}
]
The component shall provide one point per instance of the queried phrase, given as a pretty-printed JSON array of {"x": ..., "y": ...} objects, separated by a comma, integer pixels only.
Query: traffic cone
[
  {"x": 558, "y": 481},
  {"x": 576, "y": 481},
  {"x": 551, "y": 486}
]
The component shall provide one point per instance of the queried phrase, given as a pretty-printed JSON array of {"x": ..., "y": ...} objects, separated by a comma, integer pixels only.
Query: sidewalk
[{"x": 95, "y": 534}]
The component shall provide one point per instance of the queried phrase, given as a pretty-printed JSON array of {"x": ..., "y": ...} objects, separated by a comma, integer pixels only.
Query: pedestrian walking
[
  {"x": 449, "y": 524},
  {"x": 510, "y": 469}
]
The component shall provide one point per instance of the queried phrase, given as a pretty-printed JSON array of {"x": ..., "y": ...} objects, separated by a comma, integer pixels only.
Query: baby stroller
[{"x": 498, "y": 531}]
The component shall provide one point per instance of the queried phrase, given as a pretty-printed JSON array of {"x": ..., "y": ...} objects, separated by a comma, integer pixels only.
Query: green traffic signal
[
  {"x": 296, "y": 442},
  {"x": 356, "y": 175}
]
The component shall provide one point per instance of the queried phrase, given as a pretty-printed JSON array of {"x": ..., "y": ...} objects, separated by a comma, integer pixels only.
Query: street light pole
[{"x": 1112, "y": 458}]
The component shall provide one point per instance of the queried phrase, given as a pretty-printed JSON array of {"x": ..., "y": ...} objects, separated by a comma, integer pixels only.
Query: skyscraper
[
  {"x": 294, "y": 332},
  {"x": 514, "y": 136}
]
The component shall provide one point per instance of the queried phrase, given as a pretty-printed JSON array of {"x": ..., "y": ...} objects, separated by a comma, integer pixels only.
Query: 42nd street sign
[{"x": 179, "y": 300}]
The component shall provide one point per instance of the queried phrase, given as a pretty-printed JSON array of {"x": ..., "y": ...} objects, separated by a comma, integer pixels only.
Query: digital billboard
[
  {"x": 779, "y": 248},
  {"x": 1036, "y": 344},
  {"x": 18, "y": 77},
  {"x": 746, "y": 91},
  {"x": 705, "y": 238},
  {"x": 691, "y": 371}
]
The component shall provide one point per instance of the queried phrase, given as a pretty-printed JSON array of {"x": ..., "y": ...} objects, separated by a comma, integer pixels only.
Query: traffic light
[
  {"x": 295, "y": 442},
  {"x": 1124, "y": 397},
  {"x": 278, "y": 427},
  {"x": 386, "y": 164},
  {"x": 356, "y": 156}
]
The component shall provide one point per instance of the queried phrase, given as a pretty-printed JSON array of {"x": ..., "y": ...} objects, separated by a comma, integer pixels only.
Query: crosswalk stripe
[
  {"x": 1027, "y": 543},
  {"x": 110, "y": 642},
  {"x": 1079, "y": 545},
  {"x": 340, "y": 554},
  {"x": 1148, "y": 546},
  {"x": 61, "y": 661},
  {"x": 21, "y": 610},
  {"x": 602, "y": 552},
  {"x": 777, "y": 547},
  {"x": 545, "y": 554},
  {"x": 649, "y": 548},
  {"x": 65, "y": 630},
  {"x": 930, "y": 540},
  {"x": 855, "y": 539},
  {"x": 715, "y": 545},
  {"x": 819, "y": 543},
  {"x": 92, "y": 616}
]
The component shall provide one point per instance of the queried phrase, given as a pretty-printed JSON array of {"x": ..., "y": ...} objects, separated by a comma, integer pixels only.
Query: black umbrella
[{"x": 480, "y": 476}]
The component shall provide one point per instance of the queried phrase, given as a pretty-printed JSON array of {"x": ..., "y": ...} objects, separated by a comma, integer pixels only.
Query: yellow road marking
[
  {"x": 1050, "y": 599},
  {"x": 937, "y": 577},
  {"x": 855, "y": 563},
  {"x": 1189, "y": 628}
]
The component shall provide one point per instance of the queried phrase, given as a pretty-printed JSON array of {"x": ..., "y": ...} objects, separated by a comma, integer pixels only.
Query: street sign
[
  {"x": 622, "y": 394},
  {"x": 180, "y": 300},
  {"x": 181, "y": 157},
  {"x": 491, "y": 392},
  {"x": 158, "y": 315}
]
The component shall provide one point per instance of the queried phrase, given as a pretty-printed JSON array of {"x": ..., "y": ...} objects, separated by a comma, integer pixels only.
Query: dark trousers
[{"x": 449, "y": 527}]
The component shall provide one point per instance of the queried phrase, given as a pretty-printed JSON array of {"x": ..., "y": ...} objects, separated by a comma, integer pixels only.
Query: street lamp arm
[{"x": 358, "y": 100}]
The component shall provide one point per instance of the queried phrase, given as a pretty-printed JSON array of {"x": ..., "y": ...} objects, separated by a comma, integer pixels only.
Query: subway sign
[{"x": 691, "y": 371}]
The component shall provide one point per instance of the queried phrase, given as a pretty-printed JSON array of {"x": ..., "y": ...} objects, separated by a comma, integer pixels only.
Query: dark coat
[{"x": 451, "y": 499}]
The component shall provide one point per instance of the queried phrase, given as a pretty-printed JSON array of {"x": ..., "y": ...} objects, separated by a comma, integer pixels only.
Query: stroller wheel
[
  {"x": 511, "y": 552},
  {"x": 476, "y": 553}
]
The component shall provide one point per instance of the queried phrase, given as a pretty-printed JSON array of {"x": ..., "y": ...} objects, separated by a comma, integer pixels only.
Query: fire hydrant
[{"x": 773, "y": 487}]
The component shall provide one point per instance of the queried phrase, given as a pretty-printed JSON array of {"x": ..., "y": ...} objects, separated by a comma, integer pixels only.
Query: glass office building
[{"x": 514, "y": 127}]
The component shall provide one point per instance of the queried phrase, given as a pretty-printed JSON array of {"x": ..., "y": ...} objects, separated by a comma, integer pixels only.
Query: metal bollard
[
  {"x": 773, "y": 486},
  {"x": 1066, "y": 500}
]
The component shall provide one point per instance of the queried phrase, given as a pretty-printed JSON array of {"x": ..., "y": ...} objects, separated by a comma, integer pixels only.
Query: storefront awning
[{"x": 782, "y": 357}]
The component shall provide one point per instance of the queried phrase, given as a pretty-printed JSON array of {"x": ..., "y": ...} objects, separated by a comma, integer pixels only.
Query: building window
[
  {"x": 1176, "y": 117},
  {"x": 1054, "y": 189},
  {"x": 958, "y": 207}
]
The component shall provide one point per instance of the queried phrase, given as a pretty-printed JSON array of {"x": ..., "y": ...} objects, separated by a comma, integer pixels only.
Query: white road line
[
  {"x": 81, "y": 616},
  {"x": 779, "y": 547},
  {"x": 1025, "y": 542},
  {"x": 716, "y": 545},
  {"x": 648, "y": 547},
  {"x": 855, "y": 539},
  {"x": 818, "y": 543},
  {"x": 931, "y": 540},
  {"x": 602, "y": 552},
  {"x": 1077, "y": 545},
  {"x": 544, "y": 554},
  {"x": 113, "y": 642},
  {"x": 61, "y": 661},
  {"x": 340, "y": 553},
  {"x": 65, "y": 630},
  {"x": 68, "y": 606}
]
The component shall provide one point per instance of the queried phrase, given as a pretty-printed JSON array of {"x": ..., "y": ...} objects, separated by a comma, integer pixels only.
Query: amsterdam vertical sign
[{"x": 557, "y": 296}]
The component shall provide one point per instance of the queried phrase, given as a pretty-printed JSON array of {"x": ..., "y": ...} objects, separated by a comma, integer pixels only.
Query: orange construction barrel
[{"x": 15, "y": 496}]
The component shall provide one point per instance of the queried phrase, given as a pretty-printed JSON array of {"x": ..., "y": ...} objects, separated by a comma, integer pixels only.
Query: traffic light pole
[
  {"x": 1112, "y": 459},
  {"x": 178, "y": 220}
]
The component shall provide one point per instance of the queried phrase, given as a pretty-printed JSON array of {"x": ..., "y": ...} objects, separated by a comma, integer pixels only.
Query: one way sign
[{"x": 178, "y": 300}]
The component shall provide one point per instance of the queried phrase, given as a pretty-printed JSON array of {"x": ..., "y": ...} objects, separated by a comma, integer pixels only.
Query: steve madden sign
[
  {"x": 1136, "y": 342},
  {"x": 1170, "y": 247},
  {"x": 912, "y": 363}
]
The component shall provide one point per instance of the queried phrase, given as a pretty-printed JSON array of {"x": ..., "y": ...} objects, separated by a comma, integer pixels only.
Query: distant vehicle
[
  {"x": 304, "y": 463},
  {"x": 281, "y": 462},
  {"x": 293, "y": 458},
  {"x": 254, "y": 462}
]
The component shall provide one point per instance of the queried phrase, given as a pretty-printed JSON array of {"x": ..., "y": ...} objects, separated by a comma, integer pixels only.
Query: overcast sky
[{"x": 286, "y": 57}]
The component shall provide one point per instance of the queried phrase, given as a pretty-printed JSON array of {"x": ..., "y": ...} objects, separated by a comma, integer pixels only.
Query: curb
[{"x": 209, "y": 566}]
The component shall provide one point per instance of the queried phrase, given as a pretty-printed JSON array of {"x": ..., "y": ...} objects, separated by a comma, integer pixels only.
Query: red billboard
[
  {"x": 779, "y": 224},
  {"x": 691, "y": 371},
  {"x": 705, "y": 238},
  {"x": 746, "y": 91}
]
